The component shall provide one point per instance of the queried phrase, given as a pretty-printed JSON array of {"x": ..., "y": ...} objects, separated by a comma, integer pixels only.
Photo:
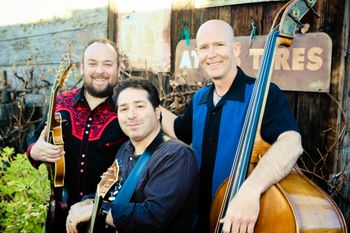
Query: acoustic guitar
[{"x": 109, "y": 179}]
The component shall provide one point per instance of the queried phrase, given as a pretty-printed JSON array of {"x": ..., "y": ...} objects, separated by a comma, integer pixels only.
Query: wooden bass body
[{"x": 293, "y": 205}]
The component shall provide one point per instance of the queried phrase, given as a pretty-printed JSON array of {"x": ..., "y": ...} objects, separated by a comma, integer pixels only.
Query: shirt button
[
  {"x": 83, "y": 155},
  {"x": 81, "y": 170},
  {"x": 130, "y": 158},
  {"x": 81, "y": 194},
  {"x": 86, "y": 132},
  {"x": 88, "y": 125},
  {"x": 82, "y": 163},
  {"x": 90, "y": 119}
]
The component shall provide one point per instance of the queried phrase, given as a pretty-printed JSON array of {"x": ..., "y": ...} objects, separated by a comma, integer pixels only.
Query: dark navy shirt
[
  {"x": 165, "y": 195},
  {"x": 277, "y": 119}
]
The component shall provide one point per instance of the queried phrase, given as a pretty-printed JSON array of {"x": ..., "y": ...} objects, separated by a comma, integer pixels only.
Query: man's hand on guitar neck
[
  {"x": 44, "y": 151},
  {"x": 79, "y": 212}
]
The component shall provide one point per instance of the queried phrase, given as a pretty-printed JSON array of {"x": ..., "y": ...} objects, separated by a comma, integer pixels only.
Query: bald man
[{"x": 213, "y": 123}]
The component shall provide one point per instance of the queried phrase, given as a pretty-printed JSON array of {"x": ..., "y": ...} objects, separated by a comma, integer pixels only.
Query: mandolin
[
  {"x": 54, "y": 122},
  {"x": 295, "y": 204},
  {"x": 109, "y": 178},
  {"x": 56, "y": 171}
]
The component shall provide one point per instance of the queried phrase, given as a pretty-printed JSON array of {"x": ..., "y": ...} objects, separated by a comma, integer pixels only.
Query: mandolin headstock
[
  {"x": 62, "y": 71},
  {"x": 291, "y": 19}
]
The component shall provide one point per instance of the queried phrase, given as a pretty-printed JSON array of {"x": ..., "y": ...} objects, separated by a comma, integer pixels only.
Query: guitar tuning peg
[{"x": 305, "y": 28}]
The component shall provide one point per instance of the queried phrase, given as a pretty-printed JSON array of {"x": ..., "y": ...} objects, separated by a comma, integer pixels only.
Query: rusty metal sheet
[{"x": 304, "y": 66}]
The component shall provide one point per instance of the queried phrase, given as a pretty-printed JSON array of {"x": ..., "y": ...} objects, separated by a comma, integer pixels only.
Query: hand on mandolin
[
  {"x": 44, "y": 151},
  {"x": 79, "y": 212},
  {"x": 242, "y": 212}
]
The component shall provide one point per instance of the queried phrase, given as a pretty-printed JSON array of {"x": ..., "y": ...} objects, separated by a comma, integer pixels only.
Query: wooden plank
[
  {"x": 112, "y": 21},
  {"x": 41, "y": 44},
  {"x": 209, "y": 13},
  {"x": 42, "y": 78},
  {"x": 241, "y": 21},
  {"x": 80, "y": 19},
  {"x": 196, "y": 21},
  {"x": 47, "y": 48},
  {"x": 225, "y": 14},
  {"x": 343, "y": 121},
  {"x": 270, "y": 10}
]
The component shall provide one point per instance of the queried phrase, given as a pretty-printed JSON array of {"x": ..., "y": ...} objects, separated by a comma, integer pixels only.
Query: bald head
[
  {"x": 213, "y": 26},
  {"x": 217, "y": 50}
]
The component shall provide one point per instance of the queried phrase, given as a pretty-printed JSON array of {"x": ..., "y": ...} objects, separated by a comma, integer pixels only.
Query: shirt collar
[
  {"x": 151, "y": 147},
  {"x": 236, "y": 91},
  {"x": 80, "y": 97}
]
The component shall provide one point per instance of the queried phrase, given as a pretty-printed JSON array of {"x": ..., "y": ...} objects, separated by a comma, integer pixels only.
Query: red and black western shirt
[{"x": 91, "y": 141}]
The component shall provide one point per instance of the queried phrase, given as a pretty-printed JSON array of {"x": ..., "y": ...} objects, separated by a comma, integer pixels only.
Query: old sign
[
  {"x": 144, "y": 34},
  {"x": 211, "y": 3},
  {"x": 305, "y": 66}
]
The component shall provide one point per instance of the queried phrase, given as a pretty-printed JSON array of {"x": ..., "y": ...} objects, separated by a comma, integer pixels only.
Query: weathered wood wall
[
  {"x": 318, "y": 114},
  {"x": 45, "y": 41}
]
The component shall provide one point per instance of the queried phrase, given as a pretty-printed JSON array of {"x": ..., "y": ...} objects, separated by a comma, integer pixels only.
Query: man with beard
[
  {"x": 163, "y": 199},
  {"x": 91, "y": 132}
]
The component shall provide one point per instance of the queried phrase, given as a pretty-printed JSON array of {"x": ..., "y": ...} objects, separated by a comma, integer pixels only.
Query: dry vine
[{"x": 335, "y": 182}]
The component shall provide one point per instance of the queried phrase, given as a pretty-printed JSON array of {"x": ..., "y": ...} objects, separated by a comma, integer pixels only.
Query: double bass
[{"x": 295, "y": 204}]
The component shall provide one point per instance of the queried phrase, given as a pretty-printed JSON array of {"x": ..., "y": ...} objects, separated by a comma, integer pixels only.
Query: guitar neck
[
  {"x": 108, "y": 179},
  {"x": 97, "y": 206},
  {"x": 51, "y": 113},
  {"x": 60, "y": 77}
]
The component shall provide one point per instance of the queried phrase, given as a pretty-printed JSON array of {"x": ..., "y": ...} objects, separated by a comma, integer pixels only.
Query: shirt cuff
[{"x": 33, "y": 162}]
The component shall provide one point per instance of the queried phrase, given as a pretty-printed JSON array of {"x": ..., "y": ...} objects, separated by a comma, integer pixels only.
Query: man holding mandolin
[
  {"x": 89, "y": 128},
  {"x": 213, "y": 123},
  {"x": 163, "y": 197}
]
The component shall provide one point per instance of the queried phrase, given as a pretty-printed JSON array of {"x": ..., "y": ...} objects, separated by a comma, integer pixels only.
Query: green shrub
[{"x": 24, "y": 194}]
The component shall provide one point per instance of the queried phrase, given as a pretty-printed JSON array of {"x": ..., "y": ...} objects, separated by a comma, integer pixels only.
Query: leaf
[{"x": 24, "y": 193}]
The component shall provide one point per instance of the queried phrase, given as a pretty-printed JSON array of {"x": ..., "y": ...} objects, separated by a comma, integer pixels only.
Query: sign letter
[{"x": 185, "y": 60}]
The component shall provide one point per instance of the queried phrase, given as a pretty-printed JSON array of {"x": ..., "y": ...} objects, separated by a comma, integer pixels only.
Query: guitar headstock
[
  {"x": 108, "y": 179},
  {"x": 62, "y": 71},
  {"x": 291, "y": 19}
]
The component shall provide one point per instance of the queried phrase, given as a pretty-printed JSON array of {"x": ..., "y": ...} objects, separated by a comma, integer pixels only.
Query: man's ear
[
  {"x": 158, "y": 112},
  {"x": 236, "y": 49},
  {"x": 196, "y": 49}
]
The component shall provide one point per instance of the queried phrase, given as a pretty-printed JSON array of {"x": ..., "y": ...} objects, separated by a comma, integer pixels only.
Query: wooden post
[
  {"x": 344, "y": 150},
  {"x": 112, "y": 22}
]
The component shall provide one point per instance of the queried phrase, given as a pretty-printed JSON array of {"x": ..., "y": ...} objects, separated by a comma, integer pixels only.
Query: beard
[{"x": 106, "y": 92}]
